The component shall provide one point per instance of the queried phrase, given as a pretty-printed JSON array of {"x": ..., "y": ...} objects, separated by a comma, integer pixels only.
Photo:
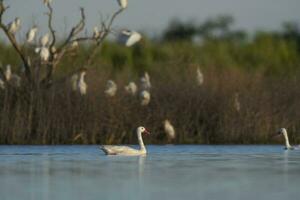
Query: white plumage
[
  {"x": 129, "y": 38},
  {"x": 44, "y": 53},
  {"x": 123, "y": 3},
  {"x": 169, "y": 130},
  {"x": 8, "y": 72},
  {"x": 200, "y": 77},
  {"x": 111, "y": 88},
  {"x": 96, "y": 33},
  {"x": 145, "y": 97},
  {"x": 31, "y": 34},
  {"x": 14, "y": 26},
  {"x": 145, "y": 82},
  {"x": 128, "y": 151},
  {"x": 47, "y": 2},
  {"x": 131, "y": 88},
  {"x": 82, "y": 86},
  {"x": 44, "y": 40}
]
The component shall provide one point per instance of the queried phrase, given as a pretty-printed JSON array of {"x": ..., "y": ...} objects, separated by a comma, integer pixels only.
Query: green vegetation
[{"x": 262, "y": 69}]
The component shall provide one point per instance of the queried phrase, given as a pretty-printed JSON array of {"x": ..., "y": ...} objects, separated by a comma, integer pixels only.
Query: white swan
[
  {"x": 283, "y": 132},
  {"x": 127, "y": 151}
]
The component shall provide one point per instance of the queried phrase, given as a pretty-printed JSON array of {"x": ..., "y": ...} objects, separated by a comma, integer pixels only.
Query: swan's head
[
  {"x": 142, "y": 129},
  {"x": 282, "y": 131}
]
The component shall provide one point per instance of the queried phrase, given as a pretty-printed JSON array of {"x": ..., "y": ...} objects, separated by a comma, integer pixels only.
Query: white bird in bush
[
  {"x": 111, "y": 88},
  {"x": 8, "y": 72},
  {"x": 14, "y": 26},
  {"x": 169, "y": 130},
  {"x": 127, "y": 151},
  {"x": 123, "y": 3},
  {"x": 200, "y": 77},
  {"x": 47, "y": 2},
  {"x": 82, "y": 86},
  {"x": 129, "y": 38},
  {"x": 44, "y": 53},
  {"x": 145, "y": 97},
  {"x": 145, "y": 82},
  {"x": 131, "y": 88},
  {"x": 44, "y": 40},
  {"x": 31, "y": 34},
  {"x": 12, "y": 78},
  {"x": 96, "y": 32}
]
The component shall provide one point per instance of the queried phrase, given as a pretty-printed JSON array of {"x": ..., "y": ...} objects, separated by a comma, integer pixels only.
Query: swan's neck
[
  {"x": 287, "y": 143},
  {"x": 141, "y": 143}
]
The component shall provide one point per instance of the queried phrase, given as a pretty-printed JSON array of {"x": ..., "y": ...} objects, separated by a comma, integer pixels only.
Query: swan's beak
[
  {"x": 276, "y": 135},
  {"x": 146, "y": 131}
]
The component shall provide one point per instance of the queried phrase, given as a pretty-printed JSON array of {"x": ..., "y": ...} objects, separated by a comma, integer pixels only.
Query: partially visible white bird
[
  {"x": 31, "y": 34},
  {"x": 131, "y": 88},
  {"x": 82, "y": 86},
  {"x": 44, "y": 40},
  {"x": 14, "y": 26},
  {"x": 237, "y": 104},
  {"x": 8, "y": 72},
  {"x": 129, "y": 38},
  {"x": 47, "y": 2},
  {"x": 145, "y": 97},
  {"x": 283, "y": 131},
  {"x": 169, "y": 130},
  {"x": 145, "y": 82},
  {"x": 96, "y": 32},
  {"x": 74, "y": 45},
  {"x": 111, "y": 88},
  {"x": 123, "y": 3},
  {"x": 44, "y": 53},
  {"x": 127, "y": 151},
  {"x": 12, "y": 78},
  {"x": 200, "y": 77}
]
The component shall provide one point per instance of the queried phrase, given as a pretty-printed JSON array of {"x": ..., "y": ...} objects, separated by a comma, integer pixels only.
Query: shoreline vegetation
[{"x": 250, "y": 89}]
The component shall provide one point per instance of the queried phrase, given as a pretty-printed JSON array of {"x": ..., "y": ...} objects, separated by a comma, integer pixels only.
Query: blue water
[{"x": 167, "y": 172}]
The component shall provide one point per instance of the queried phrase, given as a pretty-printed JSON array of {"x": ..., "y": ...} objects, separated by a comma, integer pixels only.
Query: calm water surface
[{"x": 168, "y": 172}]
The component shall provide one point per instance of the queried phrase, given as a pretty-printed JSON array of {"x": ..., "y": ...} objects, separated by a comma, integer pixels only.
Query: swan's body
[
  {"x": 129, "y": 38},
  {"x": 283, "y": 132},
  {"x": 31, "y": 34},
  {"x": 127, "y": 151}
]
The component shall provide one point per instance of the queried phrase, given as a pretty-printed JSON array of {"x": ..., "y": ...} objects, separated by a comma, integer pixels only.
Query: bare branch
[
  {"x": 107, "y": 30},
  {"x": 13, "y": 41},
  {"x": 50, "y": 14}
]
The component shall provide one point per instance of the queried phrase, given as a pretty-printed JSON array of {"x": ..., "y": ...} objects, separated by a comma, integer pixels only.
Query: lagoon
[{"x": 168, "y": 172}]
